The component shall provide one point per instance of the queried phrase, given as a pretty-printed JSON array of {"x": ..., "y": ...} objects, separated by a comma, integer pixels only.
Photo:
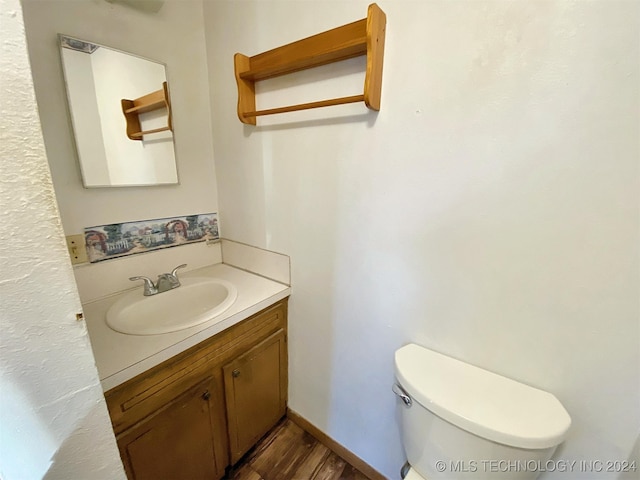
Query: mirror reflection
[{"x": 121, "y": 115}]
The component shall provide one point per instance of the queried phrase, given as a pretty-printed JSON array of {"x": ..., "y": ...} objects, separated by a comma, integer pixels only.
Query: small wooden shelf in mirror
[{"x": 147, "y": 103}]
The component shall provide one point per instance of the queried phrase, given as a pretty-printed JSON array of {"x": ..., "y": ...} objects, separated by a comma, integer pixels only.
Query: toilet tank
[{"x": 463, "y": 415}]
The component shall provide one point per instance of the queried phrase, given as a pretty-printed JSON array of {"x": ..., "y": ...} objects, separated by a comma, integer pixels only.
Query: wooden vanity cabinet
[
  {"x": 255, "y": 385},
  {"x": 178, "y": 440},
  {"x": 197, "y": 413}
]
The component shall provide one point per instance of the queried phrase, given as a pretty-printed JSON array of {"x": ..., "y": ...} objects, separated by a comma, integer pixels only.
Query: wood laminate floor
[{"x": 290, "y": 453}]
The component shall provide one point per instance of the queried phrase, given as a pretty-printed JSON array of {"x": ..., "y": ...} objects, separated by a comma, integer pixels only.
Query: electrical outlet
[{"x": 77, "y": 249}]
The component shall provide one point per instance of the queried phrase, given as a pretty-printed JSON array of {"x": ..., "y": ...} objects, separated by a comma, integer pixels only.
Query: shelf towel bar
[
  {"x": 147, "y": 103},
  {"x": 363, "y": 37}
]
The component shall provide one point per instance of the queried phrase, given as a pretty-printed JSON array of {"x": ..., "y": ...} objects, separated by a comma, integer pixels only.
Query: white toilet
[{"x": 463, "y": 422}]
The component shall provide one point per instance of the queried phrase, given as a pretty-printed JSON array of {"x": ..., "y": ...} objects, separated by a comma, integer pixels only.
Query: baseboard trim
[{"x": 350, "y": 457}]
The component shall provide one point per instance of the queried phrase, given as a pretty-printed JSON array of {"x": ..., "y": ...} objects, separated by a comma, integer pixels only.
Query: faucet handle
[
  {"x": 173, "y": 272},
  {"x": 149, "y": 287}
]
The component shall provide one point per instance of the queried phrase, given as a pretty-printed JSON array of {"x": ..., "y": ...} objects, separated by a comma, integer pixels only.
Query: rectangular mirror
[{"x": 121, "y": 116}]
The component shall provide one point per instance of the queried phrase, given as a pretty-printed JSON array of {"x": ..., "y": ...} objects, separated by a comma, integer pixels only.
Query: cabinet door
[
  {"x": 256, "y": 391},
  {"x": 178, "y": 440}
]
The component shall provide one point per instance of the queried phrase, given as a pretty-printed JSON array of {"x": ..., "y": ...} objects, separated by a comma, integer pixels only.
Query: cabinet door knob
[
  {"x": 206, "y": 395},
  {"x": 235, "y": 373}
]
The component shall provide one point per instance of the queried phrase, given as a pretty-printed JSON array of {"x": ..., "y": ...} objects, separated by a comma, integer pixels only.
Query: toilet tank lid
[{"x": 483, "y": 403}]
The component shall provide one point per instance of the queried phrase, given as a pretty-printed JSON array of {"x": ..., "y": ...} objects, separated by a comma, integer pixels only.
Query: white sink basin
[{"x": 196, "y": 301}]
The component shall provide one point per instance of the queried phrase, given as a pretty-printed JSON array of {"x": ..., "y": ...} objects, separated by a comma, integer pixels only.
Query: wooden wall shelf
[
  {"x": 147, "y": 103},
  {"x": 364, "y": 37}
]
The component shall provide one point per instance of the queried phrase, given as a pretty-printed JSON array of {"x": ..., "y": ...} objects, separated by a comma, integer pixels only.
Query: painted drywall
[
  {"x": 54, "y": 419},
  {"x": 173, "y": 35},
  {"x": 489, "y": 210}
]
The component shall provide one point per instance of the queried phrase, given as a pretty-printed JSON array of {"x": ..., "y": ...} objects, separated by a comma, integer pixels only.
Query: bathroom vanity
[
  {"x": 214, "y": 390},
  {"x": 214, "y": 401}
]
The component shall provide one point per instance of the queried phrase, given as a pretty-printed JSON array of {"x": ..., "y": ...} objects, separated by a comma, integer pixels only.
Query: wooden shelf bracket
[
  {"x": 363, "y": 37},
  {"x": 147, "y": 103}
]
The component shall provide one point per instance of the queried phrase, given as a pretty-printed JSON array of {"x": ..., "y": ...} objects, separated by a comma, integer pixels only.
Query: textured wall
[
  {"x": 52, "y": 411},
  {"x": 489, "y": 210}
]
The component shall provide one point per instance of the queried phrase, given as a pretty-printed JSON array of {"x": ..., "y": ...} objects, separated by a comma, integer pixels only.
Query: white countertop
[{"x": 120, "y": 357}]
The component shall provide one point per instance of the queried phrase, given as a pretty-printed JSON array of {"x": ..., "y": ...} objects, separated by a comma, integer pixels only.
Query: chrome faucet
[{"x": 166, "y": 281}]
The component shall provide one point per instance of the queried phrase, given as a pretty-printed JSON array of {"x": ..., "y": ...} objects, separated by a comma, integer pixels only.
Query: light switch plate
[{"x": 77, "y": 249}]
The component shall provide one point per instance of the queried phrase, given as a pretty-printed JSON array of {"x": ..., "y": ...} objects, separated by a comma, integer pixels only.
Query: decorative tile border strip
[{"x": 120, "y": 239}]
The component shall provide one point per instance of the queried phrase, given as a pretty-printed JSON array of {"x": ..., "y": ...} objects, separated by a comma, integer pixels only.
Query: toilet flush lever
[{"x": 404, "y": 396}]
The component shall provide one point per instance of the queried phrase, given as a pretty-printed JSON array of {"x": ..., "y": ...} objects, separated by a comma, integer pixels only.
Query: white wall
[
  {"x": 489, "y": 211},
  {"x": 174, "y": 35},
  {"x": 54, "y": 419}
]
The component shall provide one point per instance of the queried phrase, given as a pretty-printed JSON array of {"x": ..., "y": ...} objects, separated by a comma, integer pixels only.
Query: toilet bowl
[{"x": 460, "y": 422}]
